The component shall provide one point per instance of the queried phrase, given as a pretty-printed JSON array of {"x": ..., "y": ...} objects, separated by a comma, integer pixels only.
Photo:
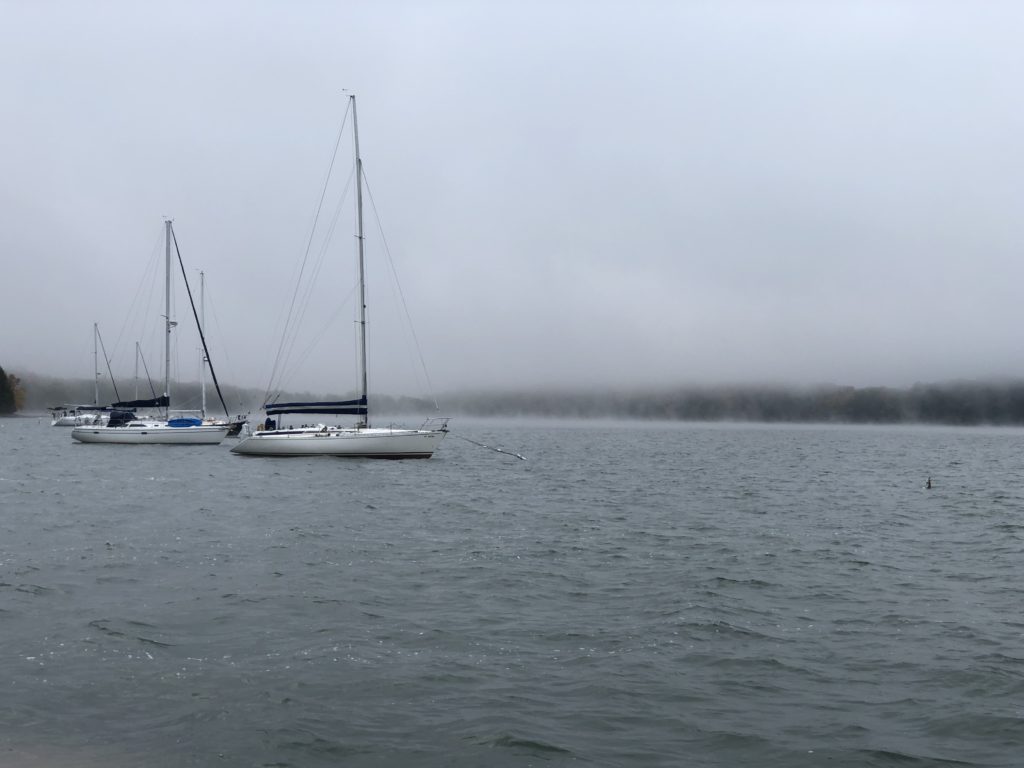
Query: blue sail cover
[{"x": 350, "y": 407}]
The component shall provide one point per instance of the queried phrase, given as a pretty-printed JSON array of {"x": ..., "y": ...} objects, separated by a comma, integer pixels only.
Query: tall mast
[
  {"x": 202, "y": 329},
  {"x": 136, "y": 370},
  {"x": 362, "y": 269},
  {"x": 167, "y": 317},
  {"x": 96, "y": 364}
]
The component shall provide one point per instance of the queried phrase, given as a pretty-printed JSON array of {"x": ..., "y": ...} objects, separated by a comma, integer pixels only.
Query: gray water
[{"x": 630, "y": 595}]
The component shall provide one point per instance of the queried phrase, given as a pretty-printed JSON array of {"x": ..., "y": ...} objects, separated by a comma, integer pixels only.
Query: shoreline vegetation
[
  {"x": 963, "y": 403},
  {"x": 10, "y": 393},
  {"x": 956, "y": 403}
]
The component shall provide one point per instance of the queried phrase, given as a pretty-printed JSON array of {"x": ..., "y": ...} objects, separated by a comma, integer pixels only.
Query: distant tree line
[
  {"x": 963, "y": 403},
  {"x": 11, "y": 393},
  {"x": 42, "y": 392}
]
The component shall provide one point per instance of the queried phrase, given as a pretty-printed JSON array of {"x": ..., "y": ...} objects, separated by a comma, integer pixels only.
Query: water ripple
[{"x": 641, "y": 595}]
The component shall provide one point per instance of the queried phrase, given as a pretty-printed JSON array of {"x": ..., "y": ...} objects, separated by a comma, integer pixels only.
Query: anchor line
[{"x": 491, "y": 447}]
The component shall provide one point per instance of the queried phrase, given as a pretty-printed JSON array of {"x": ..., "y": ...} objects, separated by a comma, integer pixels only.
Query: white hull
[
  {"x": 74, "y": 421},
  {"x": 370, "y": 443},
  {"x": 234, "y": 427},
  {"x": 76, "y": 418},
  {"x": 139, "y": 433}
]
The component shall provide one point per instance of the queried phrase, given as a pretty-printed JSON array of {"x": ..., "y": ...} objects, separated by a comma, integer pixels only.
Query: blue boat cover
[{"x": 185, "y": 421}]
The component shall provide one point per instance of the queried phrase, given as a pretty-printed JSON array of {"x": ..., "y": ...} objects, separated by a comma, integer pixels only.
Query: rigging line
[
  {"x": 310, "y": 348},
  {"x": 106, "y": 359},
  {"x": 135, "y": 313},
  {"x": 314, "y": 342},
  {"x": 401, "y": 293},
  {"x": 310, "y": 283},
  {"x": 195, "y": 314},
  {"x": 293, "y": 321},
  {"x": 309, "y": 243},
  {"x": 491, "y": 447},
  {"x": 224, "y": 350},
  {"x": 149, "y": 378}
]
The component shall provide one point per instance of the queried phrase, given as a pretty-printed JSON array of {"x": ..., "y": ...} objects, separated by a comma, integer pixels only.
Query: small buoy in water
[{"x": 928, "y": 484}]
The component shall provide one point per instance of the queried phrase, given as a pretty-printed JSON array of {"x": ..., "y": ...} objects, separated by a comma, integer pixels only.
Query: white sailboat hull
[
  {"x": 370, "y": 443},
  {"x": 151, "y": 434},
  {"x": 74, "y": 421},
  {"x": 74, "y": 415}
]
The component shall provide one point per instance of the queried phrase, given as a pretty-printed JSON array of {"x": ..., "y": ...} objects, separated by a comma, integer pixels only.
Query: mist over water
[
  {"x": 654, "y": 193},
  {"x": 631, "y": 594}
]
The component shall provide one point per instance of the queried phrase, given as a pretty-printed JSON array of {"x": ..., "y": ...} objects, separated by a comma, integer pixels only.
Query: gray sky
[{"x": 574, "y": 193}]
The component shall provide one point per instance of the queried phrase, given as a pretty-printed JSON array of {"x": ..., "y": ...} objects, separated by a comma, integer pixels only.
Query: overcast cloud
[{"x": 574, "y": 193}]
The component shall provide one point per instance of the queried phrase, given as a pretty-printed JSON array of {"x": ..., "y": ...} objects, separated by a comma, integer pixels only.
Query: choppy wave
[{"x": 629, "y": 596}]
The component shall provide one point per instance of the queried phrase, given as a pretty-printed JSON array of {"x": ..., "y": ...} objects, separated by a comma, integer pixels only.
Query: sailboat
[
  {"x": 361, "y": 440},
  {"x": 123, "y": 427},
  {"x": 72, "y": 414}
]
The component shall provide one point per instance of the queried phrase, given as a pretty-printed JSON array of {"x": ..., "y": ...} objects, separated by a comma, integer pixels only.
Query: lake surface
[{"x": 630, "y": 595}]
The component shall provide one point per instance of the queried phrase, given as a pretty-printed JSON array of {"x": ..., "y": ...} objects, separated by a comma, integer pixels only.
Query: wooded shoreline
[{"x": 957, "y": 403}]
